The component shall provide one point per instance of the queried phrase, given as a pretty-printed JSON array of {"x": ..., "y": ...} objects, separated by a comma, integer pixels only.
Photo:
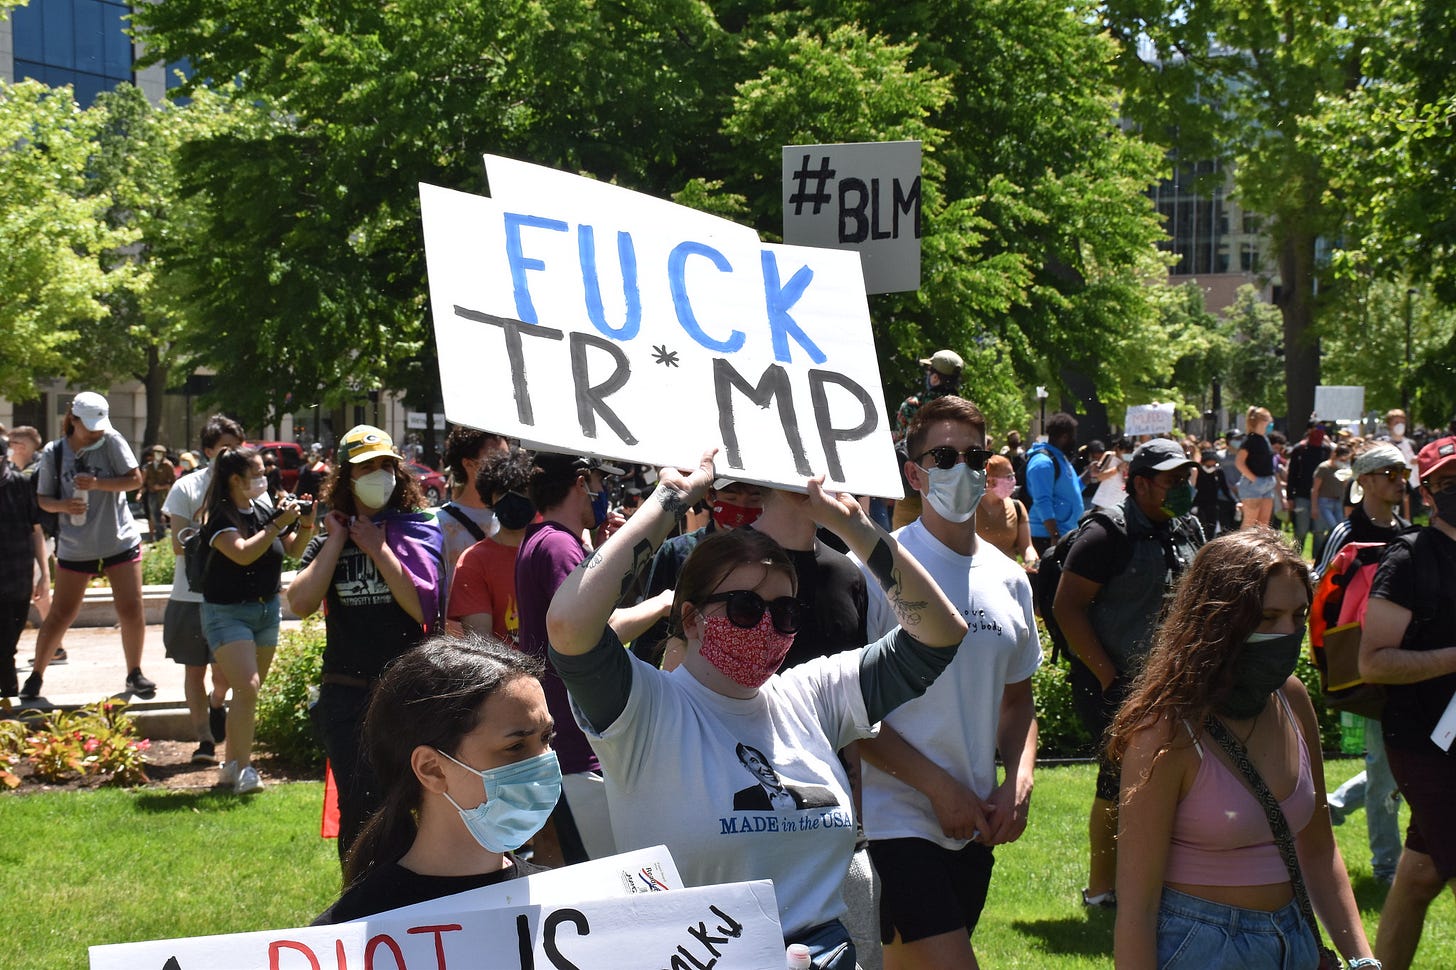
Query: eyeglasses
[
  {"x": 1396, "y": 473},
  {"x": 946, "y": 457},
  {"x": 745, "y": 610}
]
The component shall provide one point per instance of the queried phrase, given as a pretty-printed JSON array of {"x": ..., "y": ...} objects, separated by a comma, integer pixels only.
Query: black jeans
[
  {"x": 340, "y": 718},
  {"x": 13, "y": 614}
]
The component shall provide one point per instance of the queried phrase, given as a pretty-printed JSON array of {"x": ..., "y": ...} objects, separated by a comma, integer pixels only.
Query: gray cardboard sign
[
  {"x": 1333, "y": 402},
  {"x": 863, "y": 196}
]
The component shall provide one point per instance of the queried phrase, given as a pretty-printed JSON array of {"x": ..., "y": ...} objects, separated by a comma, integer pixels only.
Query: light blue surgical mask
[
  {"x": 955, "y": 492},
  {"x": 518, "y": 800}
]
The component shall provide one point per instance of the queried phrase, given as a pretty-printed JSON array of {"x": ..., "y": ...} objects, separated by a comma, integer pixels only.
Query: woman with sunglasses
[{"x": 679, "y": 737}]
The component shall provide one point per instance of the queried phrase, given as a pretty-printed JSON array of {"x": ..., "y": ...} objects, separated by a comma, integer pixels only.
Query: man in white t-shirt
[
  {"x": 933, "y": 809},
  {"x": 182, "y": 635}
]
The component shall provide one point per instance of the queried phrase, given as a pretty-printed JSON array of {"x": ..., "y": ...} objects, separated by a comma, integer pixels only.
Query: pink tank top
[{"x": 1221, "y": 836}]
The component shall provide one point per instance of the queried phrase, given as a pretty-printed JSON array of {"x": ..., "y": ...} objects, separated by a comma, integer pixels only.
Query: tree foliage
[
  {"x": 1038, "y": 237},
  {"x": 52, "y": 235}
]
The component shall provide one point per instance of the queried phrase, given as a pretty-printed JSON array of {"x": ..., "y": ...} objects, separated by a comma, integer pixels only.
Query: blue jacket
[{"x": 1053, "y": 496}]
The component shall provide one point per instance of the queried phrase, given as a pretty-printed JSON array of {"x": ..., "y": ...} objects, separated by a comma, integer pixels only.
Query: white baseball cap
[{"x": 92, "y": 410}]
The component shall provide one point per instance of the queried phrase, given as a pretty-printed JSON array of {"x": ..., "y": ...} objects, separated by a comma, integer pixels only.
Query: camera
[{"x": 305, "y": 508}]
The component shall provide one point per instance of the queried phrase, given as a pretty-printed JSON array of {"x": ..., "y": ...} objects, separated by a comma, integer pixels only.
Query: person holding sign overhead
[
  {"x": 460, "y": 739},
  {"x": 679, "y": 735}
]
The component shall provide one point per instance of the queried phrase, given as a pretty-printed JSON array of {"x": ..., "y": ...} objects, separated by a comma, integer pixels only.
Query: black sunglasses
[
  {"x": 946, "y": 457},
  {"x": 745, "y": 610}
]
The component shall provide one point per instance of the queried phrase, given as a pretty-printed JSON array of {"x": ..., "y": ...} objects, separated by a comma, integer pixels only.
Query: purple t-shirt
[{"x": 549, "y": 552}]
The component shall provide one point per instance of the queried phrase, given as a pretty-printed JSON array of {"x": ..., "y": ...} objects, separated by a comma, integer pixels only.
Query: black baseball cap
[{"x": 1158, "y": 455}]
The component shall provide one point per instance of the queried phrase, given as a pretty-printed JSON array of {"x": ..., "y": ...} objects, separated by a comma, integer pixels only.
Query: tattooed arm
[
  {"x": 584, "y": 603},
  {"x": 920, "y": 607}
]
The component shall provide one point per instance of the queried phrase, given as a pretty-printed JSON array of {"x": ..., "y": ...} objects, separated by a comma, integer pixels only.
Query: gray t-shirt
[{"x": 109, "y": 528}]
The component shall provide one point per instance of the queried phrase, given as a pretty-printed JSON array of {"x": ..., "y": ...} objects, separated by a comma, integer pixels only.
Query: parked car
[
  {"x": 432, "y": 483},
  {"x": 290, "y": 459}
]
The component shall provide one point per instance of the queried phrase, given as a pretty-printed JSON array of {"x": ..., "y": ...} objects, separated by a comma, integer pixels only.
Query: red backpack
[{"x": 1335, "y": 620}]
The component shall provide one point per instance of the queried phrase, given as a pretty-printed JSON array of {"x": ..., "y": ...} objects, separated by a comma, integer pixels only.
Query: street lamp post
[{"x": 1041, "y": 395}]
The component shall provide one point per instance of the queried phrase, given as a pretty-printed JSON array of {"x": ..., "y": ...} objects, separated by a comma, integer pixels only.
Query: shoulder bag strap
[
  {"x": 464, "y": 520},
  {"x": 1283, "y": 838}
]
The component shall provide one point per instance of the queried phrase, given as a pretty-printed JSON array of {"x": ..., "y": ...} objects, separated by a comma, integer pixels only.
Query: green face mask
[
  {"x": 1179, "y": 500},
  {"x": 1265, "y": 664}
]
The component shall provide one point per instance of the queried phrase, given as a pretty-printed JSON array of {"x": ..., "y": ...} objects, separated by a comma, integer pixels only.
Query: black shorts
[
  {"x": 182, "y": 636},
  {"x": 95, "y": 567},
  {"x": 1095, "y": 711},
  {"x": 927, "y": 890},
  {"x": 1428, "y": 782}
]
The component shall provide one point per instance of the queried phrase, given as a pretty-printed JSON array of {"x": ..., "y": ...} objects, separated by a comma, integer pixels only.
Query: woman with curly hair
[{"x": 1201, "y": 880}]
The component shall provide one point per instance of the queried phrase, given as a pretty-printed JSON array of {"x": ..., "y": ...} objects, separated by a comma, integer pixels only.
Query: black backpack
[
  {"x": 1049, "y": 572},
  {"x": 50, "y": 522},
  {"x": 198, "y": 558}
]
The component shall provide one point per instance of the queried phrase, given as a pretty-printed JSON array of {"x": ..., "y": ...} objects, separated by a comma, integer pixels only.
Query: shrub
[
  {"x": 284, "y": 725},
  {"x": 97, "y": 741},
  {"x": 157, "y": 560}
]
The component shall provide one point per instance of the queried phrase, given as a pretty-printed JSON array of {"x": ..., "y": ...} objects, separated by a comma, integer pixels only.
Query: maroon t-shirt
[{"x": 548, "y": 554}]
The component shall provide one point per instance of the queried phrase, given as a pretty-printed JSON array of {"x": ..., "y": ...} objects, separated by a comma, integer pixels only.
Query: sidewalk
[{"x": 96, "y": 671}]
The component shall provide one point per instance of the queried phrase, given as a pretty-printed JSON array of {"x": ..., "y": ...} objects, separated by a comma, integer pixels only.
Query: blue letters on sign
[
  {"x": 525, "y": 310},
  {"x": 675, "y": 262},
  {"x": 627, "y": 258},
  {"x": 779, "y": 299}
]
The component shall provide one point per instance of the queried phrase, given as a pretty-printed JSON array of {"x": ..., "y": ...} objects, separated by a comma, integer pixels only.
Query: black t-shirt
[
  {"x": 231, "y": 582},
  {"x": 1260, "y": 457},
  {"x": 19, "y": 514},
  {"x": 364, "y": 627},
  {"x": 1098, "y": 554},
  {"x": 1412, "y": 710},
  {"x": 1210, "y": 488},
  {"x": 389, "y": 887},
  {"x": 835, "y": 602}
]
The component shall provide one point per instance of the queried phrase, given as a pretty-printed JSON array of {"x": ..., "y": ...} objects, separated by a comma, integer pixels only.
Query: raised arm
[
  {"x": 584, "y": 603},
  {"x": 920, "y": 607}
]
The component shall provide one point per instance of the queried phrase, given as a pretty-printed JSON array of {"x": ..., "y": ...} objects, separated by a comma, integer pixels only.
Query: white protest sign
[
  {"x": 590, "y": 319},
  {"x": 1334, "y": 402},
  {"x": 729, "y": 927},
  {"x": 419, "y": 420},
  {"x": 862, "y": 196},
  {"x": 1152, "y": 418},
  {"x": 625, "y": 874}
]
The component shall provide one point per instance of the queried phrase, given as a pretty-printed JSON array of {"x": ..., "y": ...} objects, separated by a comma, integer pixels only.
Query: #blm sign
[
  {"x": 1334, "y": 402},
  {"x": 589, "y": 319},
  {"x": 728, "y": 927},
  {"x": 863, "y": 197},
  {"x": 1152, "y": 418}
]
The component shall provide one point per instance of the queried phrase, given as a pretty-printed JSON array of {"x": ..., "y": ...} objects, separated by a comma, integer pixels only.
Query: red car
[
  {"x": 290, "y": 459},
  {"x": 432, "y": 483}
]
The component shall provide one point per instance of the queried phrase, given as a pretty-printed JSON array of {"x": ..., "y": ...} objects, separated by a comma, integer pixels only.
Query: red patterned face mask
[
  {"x": 730, "y": 516},
  {"x": 748, "y": 657}
]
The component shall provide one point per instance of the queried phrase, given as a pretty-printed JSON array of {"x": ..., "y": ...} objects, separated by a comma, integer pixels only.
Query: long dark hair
[
  {"x": 406, "y": 497},
  {"x": 717, "y": 556},
  {"x": 1219, "y": 602},
  {"x": 430, "y": 696},
  {"x": 218, "y": 500}
]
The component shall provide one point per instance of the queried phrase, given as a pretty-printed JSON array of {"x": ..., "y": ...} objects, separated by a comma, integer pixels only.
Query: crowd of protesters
[{"x": 566, "y": 644}]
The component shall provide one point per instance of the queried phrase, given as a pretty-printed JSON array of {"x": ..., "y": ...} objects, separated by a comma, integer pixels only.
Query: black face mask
[
  {"x": 514, "y": 511},
  {"x": 1261, "y": 669},
  {"x": 1445, "y": 502}
]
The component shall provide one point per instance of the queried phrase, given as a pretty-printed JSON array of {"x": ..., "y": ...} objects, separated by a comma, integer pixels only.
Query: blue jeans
[
  {"x": 1302, "y": 507},
  {"x": 1375, "y": 789},
  {"x": 1202, "y": 935}
]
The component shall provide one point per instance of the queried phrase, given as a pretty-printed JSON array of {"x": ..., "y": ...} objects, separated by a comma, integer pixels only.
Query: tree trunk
[
  {"x": 1301, "y": 344},
  {"x": 155, "y": 381}
]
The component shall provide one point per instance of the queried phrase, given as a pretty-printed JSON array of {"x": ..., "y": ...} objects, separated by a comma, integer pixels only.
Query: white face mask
[
  {"x": 375, "y": 488},
  {"x": 256, "y": 487},
  {"x": 954, "y": 494},
  {"x": 1397, "y": 429}
]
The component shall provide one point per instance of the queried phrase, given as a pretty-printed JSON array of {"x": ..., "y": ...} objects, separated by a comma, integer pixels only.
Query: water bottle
[
  {"x": 797, "y": 957},
  {"x": 78, "y": 519}
]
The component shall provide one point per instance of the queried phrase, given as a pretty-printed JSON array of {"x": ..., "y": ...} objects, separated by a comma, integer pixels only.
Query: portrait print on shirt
[{"x": 772, "y": 794}]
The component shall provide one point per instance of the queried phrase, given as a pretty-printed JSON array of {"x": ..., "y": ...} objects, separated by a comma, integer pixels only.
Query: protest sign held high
[
  {"x": 586, "y": 318},
  {"x": 1144, "y": 419}
]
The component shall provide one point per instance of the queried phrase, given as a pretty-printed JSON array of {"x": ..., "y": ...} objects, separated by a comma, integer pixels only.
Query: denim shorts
[
  {"x": 1197, "y": 933},
  {"x": 1265, "y": 486},
  {"x": 231, "y": 622}
]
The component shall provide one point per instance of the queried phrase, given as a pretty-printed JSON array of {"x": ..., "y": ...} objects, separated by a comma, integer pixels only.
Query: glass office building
[{"x": 82, "y": 43}]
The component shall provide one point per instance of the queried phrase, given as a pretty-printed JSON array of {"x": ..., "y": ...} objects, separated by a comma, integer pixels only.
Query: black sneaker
[
  {"x": 217, "y": 721},
  {"x": 206, "y": 753},
  {"x": 139, "y": 683},
  {"x": 31, "y": 690}
]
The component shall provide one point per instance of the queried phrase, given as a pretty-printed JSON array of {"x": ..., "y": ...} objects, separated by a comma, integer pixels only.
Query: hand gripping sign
[
  {"x": 728, "y": 927},
  {"x": 590, "y": 319}
]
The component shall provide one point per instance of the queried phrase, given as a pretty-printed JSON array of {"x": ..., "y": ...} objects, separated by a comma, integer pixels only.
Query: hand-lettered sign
[
  {"x": 1144, "y": 419},
  {"x": 589, "y": 319},
  {"x": 863, "y": 197},
  {"x": 729, "y": 927}
]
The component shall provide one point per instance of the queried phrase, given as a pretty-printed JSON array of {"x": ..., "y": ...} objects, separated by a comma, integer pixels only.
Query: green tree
[
  {"x": 1255, "y": 367},
  {"x": 1247, "y": 80},
  {"x": 52, "y": 235}
]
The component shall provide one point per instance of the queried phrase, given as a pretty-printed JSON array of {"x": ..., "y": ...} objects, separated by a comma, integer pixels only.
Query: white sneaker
[
  {"x": 227, "y": 774},
  {"x": 248, "y": 781}
]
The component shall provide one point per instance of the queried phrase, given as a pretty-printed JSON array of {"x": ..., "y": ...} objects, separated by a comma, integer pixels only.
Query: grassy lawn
[{"x": 115, "y": 866}]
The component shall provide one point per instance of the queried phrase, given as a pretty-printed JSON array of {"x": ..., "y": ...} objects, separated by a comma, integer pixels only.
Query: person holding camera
[{"x": 244, "y": 542}]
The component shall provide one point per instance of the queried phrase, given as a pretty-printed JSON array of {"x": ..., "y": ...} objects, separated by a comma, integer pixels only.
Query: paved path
[{"x": 96, "y": 670}]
